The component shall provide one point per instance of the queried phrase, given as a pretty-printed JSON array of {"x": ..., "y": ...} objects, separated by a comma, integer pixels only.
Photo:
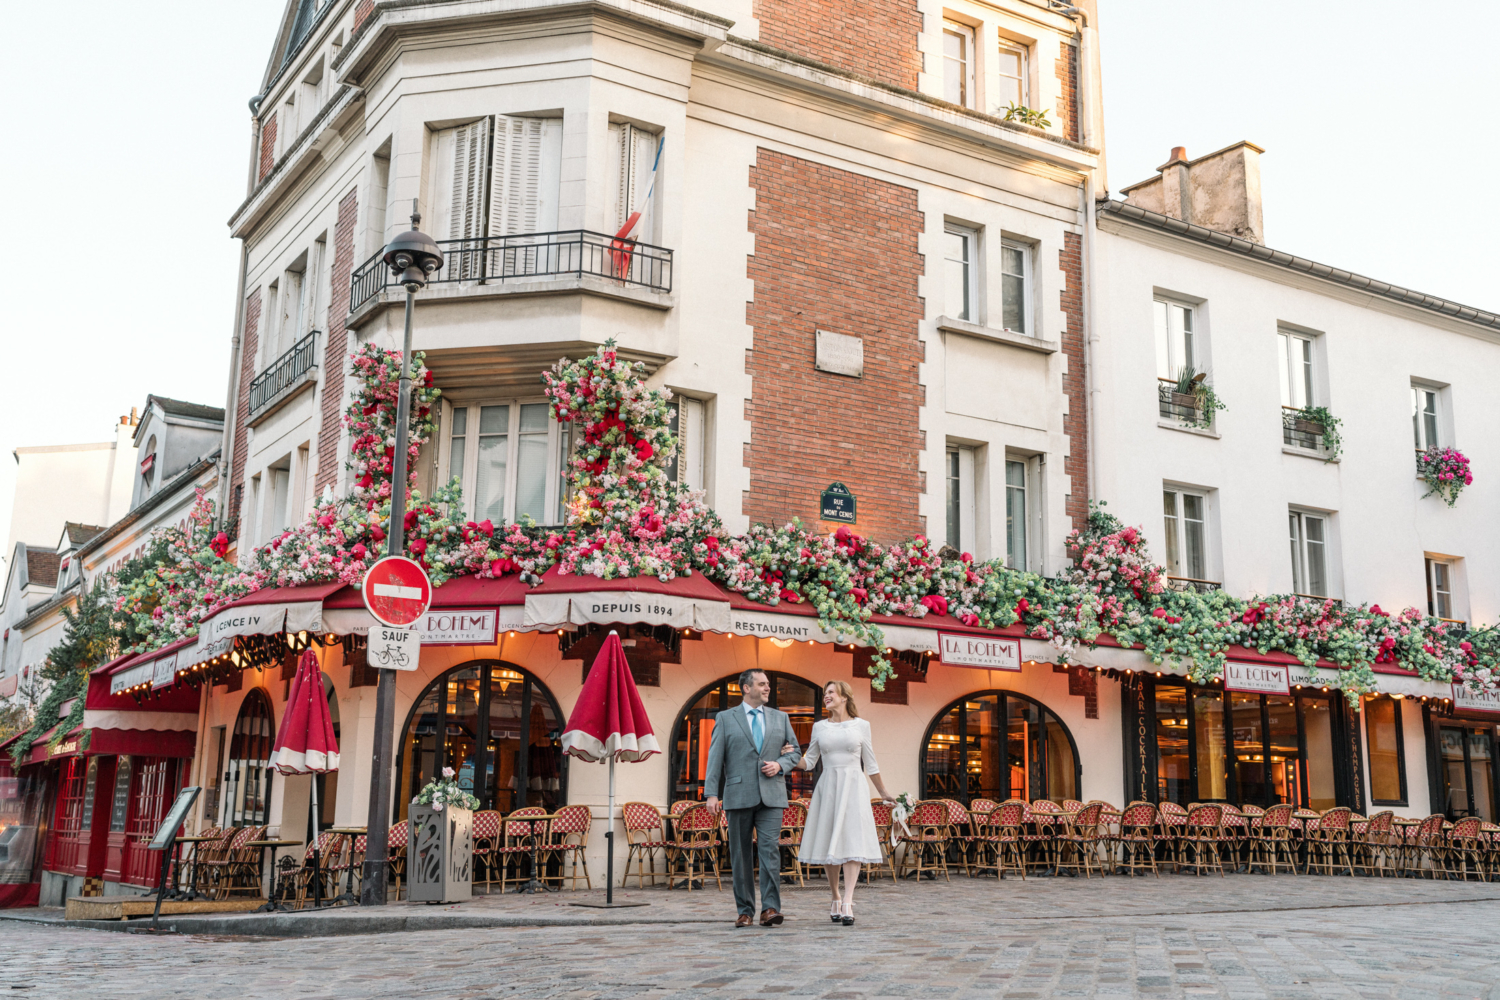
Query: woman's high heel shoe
[
  {"x": 848, "y": 918},
  {"x": 835, "y": 914}
]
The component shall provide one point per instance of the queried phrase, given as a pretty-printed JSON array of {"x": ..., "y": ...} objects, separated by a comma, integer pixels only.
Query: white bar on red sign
[
  {"x": 1260, "y": 678},
  {"x": 459, "y": 627},
  {"x": 1470, "y": 700},
  {"x": 978, "y": 651}
]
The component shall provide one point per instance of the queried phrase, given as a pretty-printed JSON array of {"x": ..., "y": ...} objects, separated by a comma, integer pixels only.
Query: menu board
[{"x": 175, "y": 816}]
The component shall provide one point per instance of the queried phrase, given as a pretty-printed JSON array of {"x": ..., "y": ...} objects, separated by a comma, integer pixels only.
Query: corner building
[{"x": 850, "y": 269}]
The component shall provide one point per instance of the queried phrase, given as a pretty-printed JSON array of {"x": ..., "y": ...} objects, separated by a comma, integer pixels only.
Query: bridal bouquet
[
  {"x": 444, "y": 791},
  {"x": 899, "y": 813}
]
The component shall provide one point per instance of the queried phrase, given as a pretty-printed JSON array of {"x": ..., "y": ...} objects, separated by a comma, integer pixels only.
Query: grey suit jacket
[{"x": 734, "y": 774}]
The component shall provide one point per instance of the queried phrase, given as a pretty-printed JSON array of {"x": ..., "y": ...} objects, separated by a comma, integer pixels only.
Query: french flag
[{"x": 623, "y": 243}]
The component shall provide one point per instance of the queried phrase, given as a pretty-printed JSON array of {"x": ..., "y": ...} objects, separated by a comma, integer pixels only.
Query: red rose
[
  {"x": 1158, "y": 612},
  {"x": 377, "y": 532},
  {"x": 359, "y": 551},
  {"x": 418, "y": 546},
  {"x": 711, "y": 543},
  {"x": 220, "y": 544},
  {"x": 500, "y": 567},
  {"x": 936, "y": 603},
  {"x": 970, "y": 620},
  {"x": 487, "y": 527},
  {"x": 644, "y": 451}
]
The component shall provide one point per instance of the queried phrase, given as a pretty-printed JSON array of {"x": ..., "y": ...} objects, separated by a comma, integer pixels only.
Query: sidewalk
[{"x": 1039, "y": 899}]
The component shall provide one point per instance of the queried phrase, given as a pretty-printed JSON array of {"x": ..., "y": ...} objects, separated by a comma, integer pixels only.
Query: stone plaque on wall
[{"x": 840, "y": 354}]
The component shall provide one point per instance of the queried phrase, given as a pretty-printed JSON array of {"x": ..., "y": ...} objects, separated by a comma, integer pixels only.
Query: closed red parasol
[
  {"x": 305, "y": 743},
  {"x": 609, "y": 723}
]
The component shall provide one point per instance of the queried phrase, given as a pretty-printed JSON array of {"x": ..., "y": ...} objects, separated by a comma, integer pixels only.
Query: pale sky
[{"x": 1376, "y": 119}]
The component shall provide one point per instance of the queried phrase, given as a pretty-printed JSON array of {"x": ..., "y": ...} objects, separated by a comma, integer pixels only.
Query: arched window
[
  {"x": 500, "y": 730},
  {"x": 247, "y": 779},
  {"x": 801, "y": 699},
  {"x": 999, "y": 745}
]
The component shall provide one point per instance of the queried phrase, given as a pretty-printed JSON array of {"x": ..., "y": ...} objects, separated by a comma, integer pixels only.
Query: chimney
[{"x": 1220, "y": 191}]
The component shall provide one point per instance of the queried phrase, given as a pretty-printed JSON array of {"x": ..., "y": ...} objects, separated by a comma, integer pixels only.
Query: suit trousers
[{"x": 765, "y": 822}]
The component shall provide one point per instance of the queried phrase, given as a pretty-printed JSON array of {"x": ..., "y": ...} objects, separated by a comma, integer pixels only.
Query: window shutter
[
  {"x": 525, "y": 176},
  {"x": 633, "y": 155},
  {"x": 470, "y": 155}
]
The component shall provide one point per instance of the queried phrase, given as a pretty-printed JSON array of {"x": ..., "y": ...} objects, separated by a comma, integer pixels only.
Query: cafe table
[
  {"x": 272, "y": 903},
  {"x": 192, "y": 890},
  {"x": 533, "y": 884}
]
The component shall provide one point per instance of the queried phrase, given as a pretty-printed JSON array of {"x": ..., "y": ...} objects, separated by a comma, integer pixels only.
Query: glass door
[{"x": 1467, "y": 771}]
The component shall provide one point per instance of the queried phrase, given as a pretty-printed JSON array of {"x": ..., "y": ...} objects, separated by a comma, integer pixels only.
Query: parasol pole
[
  {"x": 609, "y": 838},
  {"x": 317, "y": 862}
]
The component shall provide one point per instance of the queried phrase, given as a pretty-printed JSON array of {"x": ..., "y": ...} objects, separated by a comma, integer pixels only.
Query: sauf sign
[{"x": 977, "y": 651}]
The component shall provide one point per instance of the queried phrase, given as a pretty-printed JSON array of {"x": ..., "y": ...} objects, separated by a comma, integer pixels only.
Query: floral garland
[
  {"x": 625, "y": 518},
  {"x": 440, "y": 793},
  {"x": 1446, "y": 473}
]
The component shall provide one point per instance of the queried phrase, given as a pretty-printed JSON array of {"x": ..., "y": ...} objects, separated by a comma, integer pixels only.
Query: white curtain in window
[
  {"x": 531, "y": 462},
  {"x": 493, "y": 463}
]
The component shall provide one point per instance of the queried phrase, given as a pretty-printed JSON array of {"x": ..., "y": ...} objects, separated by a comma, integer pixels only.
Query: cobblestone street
[{"x": 1245, "y": 936}]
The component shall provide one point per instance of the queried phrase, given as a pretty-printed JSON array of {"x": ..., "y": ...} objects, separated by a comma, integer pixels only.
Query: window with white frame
[
  {"x": 961, "y": 506},
  {"x": 634, "y": 152},
  {"x": 507, "y": 455},
  {"x": 1175, "y": 335},
  {"x": 961, "y": 272},
  {"x": 1440, "y": 588},
  {"x": 958, "y": 63},
  {"x": 1011, "y": 64},
  {"x": 1296, "y": 358},
  {"x": 1015, "y": 286},
  {"x": 1310, "y": 560},
  {"x": 687, "y": 420},
  {"x": 498, "y": 176},
  {"x": 1425, "y": 401},
  {"x": 1017, "y": 519},
  {"x": 1185, "y": 518}
]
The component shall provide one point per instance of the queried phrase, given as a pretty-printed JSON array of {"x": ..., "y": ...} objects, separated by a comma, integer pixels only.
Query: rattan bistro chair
[
  {"x": 696, "y": 843},
  {"x": 1271, "y": 844},
  {"x": 645, "y": 836},
  {"x": 925, "y": 844},
  {"x": 1202, "y": 836},
  {"x": 1425, "y": 845},
  {"x": 486, "y": 837},
  {"x": 961, "y": 835},
  {"x": 1375, "y": 847},
  {"x": 1138, "y": 838},
  {"x": 882, "y": 830},
  {"x": 1464, "y": 850},
  {"x": 569, "y": 842},
  {"x": 395, "y": 847},
  {"x": 1328, "y": 840},
  {"x": 515, "y": 852},
  {"x": 793, "y": 821},
  {"x": 1000, "y": 844},
  {"x": 1078, "y": 845}
]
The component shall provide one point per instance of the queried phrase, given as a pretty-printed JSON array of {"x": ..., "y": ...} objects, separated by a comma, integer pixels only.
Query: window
[
  {"x": 247, "y": 781},
  {"x": 960, "y": 272},
  {"x": 1174, "y": 340},
  {"x": 507, "y": 457},
  {"x": 1309, "y": 539},
  {"x": 687, "y": 422},
  {"x": 1295, "y": 354},
  {"x": 961, "y": 505},
  {"x": 1012, "y": 73},
  {"x": 1467, "y": 771},
  {"x": 1185, "y": 514},
  {"x": 800, "y": 699},
  {"x": 500, "y": 730},
  {"x": 958, "y": 63},
  {"x": 498, "y": 176},
  {"x": 1015, "y": 514},
  {"x": 1424, "y": 417},
  {"x": 632, "y": 174},
  {"x": 281, "y": 488},
  {"x": 1387, "y": 754},
  {"x": 148, "y": 466},
  {"x": 1015, "y": 284},
  {"x": 1440, "y": 589},
  {"x": 999, "y": 745}
]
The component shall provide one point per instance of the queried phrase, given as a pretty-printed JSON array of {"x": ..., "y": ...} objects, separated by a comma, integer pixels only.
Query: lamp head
[{"x": 413, "y": 256}]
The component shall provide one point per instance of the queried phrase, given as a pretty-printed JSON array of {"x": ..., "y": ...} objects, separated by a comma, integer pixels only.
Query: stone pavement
[{"x": 1180, "y": 936}]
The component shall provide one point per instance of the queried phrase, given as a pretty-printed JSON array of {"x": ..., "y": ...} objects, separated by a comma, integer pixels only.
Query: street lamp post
[{"x": 412, "y": 257}]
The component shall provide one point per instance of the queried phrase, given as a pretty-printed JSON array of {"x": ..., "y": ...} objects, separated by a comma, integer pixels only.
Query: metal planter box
[{"x": 440, "y": 855}]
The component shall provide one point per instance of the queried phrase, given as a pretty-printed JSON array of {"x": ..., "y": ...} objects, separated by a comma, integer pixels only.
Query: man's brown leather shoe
[
  {"x": 743, "y": 920},
  {"x": 771, "y": 918}
]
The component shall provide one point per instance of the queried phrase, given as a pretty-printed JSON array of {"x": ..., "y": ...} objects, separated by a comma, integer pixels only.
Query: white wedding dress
[{"x": 840, "y": 822}]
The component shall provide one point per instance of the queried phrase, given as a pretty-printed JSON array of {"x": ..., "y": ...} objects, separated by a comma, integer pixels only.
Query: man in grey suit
[{"x": 747, "y": 770}]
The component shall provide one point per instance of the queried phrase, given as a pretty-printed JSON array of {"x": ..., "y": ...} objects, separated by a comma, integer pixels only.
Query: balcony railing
[
  {"x": 1183, "y": 584},
  {"x": 1175, "y": 405},
  {"x": 285, "y": 372},
  {"x": 1297, "y": 432},
  {"x": 495, "y": 259}
]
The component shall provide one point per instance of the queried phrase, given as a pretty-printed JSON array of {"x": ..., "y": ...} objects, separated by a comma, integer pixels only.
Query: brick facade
[
  {"x": 267, "y": 148},
  {"x": 362, "y": 12},
  {"x": 1075, "y": 386},
  {"x": 834, "y": 251},
  {"x": 239, "y": 452},
  {"x": 1066, "y": 68},
  {"x": 873, "y": 38},
  {"x": 336, "y": 347}
]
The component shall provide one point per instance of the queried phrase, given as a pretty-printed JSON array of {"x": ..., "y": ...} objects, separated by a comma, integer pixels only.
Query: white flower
[{"x": 448, "y": 772}]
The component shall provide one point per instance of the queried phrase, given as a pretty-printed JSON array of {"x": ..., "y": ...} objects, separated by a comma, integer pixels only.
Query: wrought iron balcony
[
  {"x": 495, "y": 259},
  {"x": 1183, "y": 584},
  {"x": 1175, "y": 405},
  {"x": 1297, "y": 432},
  {"x": 285, "y": 372}
]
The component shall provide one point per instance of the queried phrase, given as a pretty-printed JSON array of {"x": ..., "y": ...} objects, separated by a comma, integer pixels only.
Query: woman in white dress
[{"x": 840, "y": 832}]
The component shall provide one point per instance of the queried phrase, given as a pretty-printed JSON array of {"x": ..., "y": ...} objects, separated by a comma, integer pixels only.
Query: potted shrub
[{"x": 440, "y": 846}]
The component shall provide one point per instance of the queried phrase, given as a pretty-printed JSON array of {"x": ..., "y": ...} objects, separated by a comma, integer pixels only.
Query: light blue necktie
[{"x": 755, "y": 729}]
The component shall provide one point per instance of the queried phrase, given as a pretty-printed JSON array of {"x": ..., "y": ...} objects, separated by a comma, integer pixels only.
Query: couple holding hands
[{"x": 751, "y": 750}]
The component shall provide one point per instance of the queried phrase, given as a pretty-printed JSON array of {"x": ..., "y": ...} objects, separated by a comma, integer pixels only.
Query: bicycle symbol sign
[{"x": 394, "y": 648}]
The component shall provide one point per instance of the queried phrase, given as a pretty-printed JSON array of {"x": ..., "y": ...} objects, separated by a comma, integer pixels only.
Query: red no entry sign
[{"x": 397, "y": 591}]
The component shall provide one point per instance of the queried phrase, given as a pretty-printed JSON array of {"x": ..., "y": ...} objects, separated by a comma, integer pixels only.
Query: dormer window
[{"x": 148, "y": 465}]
